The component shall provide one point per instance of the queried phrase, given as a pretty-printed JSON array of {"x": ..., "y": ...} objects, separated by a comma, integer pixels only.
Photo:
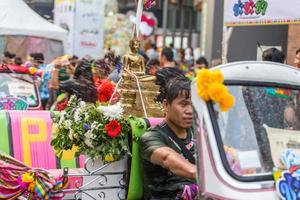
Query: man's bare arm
[{"x": 170, "y": 159}]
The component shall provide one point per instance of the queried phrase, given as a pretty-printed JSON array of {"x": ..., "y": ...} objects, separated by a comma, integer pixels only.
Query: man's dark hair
[
  {"x": 163, "y": 76},
  {"x": 171, "y": 45},
  {"x": 202, "y": 60},
  {"x": 273, "y": 55},
  {"x": 153, "y": 45},
  {"x": 178, "y": 86},
  {"x": 9, "y": 55},
  {"x": 298, "y": 51},
  {"x": 168, "y": 53},
  {"x": 82, "y": 84},
  {"x": 150, "y": 64},
  {"x": 39, "y": 57},
  {"x": 18, "y": 61}
]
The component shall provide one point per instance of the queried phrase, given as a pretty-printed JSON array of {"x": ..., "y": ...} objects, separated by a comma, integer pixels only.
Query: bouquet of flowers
[{"x": 95, "y": 131}]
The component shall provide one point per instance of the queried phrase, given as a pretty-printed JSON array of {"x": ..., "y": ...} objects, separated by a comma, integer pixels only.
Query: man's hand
[{"x": 173, "y": 161}]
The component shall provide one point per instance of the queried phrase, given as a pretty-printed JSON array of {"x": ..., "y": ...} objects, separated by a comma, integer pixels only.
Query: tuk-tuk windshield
[
  {"x": 262, "y": 124},
  {"x": 20, "y": 85}
]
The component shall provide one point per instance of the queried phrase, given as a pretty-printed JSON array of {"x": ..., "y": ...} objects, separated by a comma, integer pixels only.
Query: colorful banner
[
  {"x": 64, "y": 14},
  {"x": 261, "y": 12},
  {"x": 26, "y": 135},
  {"x": 89, "y": 29},
  {"x": 85, "y": 37}
]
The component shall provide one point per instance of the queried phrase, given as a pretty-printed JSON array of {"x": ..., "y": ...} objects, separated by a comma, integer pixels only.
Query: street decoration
[
  {"x": 210, "y": 87},
  {"x": 13, "y": 103},
  {"x": 149, "y": 4},
  {"x": 261, "y": 12},
  {"x": 288, "y": 181},
  {"x": 18, "y": 180},
  {"x": 95, "y": 131},
  {"x": 148, "y": 23},
  {"x": 117, "y": 33},
  {"x": 27, "y": 137}
]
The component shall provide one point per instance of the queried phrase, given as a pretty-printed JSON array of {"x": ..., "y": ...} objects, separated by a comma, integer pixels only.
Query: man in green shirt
[{"x": 167, "y": 150}]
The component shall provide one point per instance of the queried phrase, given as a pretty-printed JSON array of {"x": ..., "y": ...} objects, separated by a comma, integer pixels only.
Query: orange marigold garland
[{"x": 210, "y": 86}]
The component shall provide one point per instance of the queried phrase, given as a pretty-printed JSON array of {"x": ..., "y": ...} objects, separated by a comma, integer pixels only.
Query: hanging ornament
[{"x": 149, "y": 4}]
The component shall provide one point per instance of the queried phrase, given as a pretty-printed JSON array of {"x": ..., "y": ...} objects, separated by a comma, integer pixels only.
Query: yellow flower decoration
[
  {"x": 32, "y": 70},
  {"x": 210, "y": 87},
  {"x": 217, "y": 92},
  {"x": 277, "y": 175},
  {"x": 217, "y": 76},
  {"x": 27, "y": 178},
  {"x": 31, "y": 187},
  {"x": 109, "y": 158},
  {"x": 227, "y": 102},
  {"x": 203, "y": 77}
]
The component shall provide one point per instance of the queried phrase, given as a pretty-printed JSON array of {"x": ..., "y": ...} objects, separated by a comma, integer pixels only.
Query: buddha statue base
[{"x": 131, "y": 100}]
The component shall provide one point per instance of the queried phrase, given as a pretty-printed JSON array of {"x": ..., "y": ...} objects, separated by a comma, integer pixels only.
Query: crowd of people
[{"x": 65, "y": 75}]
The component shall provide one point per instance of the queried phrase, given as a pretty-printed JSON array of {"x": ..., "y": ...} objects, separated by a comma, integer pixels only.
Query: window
[
  {"x": 20, "y": 85},
  {"x": 253, "y": 134}
]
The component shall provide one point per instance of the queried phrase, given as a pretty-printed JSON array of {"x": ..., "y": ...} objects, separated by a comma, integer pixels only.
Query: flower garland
[
  {"x": 98, "y": 132},
  {"x": 210, "y": 87}
]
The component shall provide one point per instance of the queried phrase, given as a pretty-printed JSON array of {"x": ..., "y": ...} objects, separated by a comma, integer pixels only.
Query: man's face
[
  {"x": 297, "y": 60},
  {"x": 153, "y": 69},
  {"x": 180, "y": 111}
]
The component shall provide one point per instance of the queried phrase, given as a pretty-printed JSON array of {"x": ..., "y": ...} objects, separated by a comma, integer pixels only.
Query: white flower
[
  {"x": 71, "y": 133},
  {"x": 82, "y": 104},
  {"x": 77, "y": 114},
  {"x": 62, "y": 117},
  {"x": 68, "y": 124},
  {"x": 112, "y": 111},
  {"x": 94, "y": 125},
  {"x": 88, "y": 139}
]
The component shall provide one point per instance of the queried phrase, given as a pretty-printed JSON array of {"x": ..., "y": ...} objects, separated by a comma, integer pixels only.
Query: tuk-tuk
[
  {"x": 17, "y": 81},
  {"x": 239, "y": 150}
]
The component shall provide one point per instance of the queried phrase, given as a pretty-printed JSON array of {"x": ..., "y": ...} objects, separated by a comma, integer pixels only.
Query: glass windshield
[
  {"x": 18, "y": 85},
  {"x": 262, "y": 124}
]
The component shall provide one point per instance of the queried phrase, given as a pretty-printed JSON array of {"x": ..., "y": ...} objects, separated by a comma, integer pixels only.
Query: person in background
[
  {"x": 115, "y": 66},
  {"x": 297, "y": 59},
  {"x": 152, "y": 52},
  {"x": 38, "y": 60},
  {"x": 61, "y": 70},
  {"x": 18, "y": 61},
  {"x": 80, "y": 84},
  {"x": 7, "y": 57},
  {"x": 273, "y": 55},
  {"x": 201, "y": 63},
  {"x": 174, "y": 51},
  {"x": 152, "y": 67},
  {"x": 189, "y": 57},
  {"x": 167, "y": 58}
]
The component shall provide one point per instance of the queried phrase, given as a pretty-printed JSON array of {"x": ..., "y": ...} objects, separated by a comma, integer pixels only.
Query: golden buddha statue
[
  {"x": 137, "y": 89},
  {"x": 132, "y": 62}
]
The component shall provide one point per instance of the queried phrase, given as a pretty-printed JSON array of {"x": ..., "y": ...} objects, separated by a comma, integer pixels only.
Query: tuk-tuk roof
[
  {"x": 14, "y": 69},
  {"x": 260, "y": 71}
]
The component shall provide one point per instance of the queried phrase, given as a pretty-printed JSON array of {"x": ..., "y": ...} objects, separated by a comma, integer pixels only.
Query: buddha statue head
[{"x": 134, "y": 43}]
